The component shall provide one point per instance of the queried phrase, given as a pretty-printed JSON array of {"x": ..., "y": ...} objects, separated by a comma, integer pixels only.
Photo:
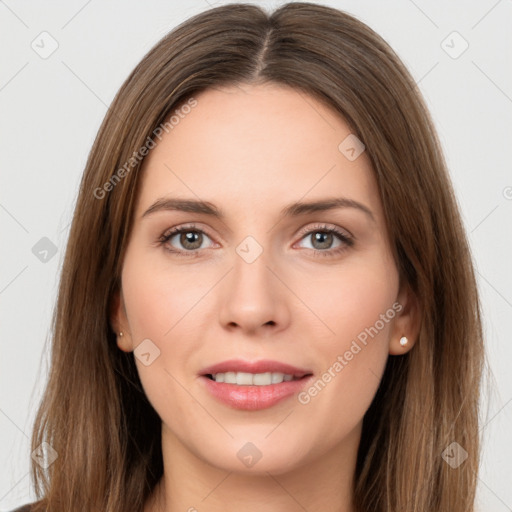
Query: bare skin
[{"x": 251, "y": 151}]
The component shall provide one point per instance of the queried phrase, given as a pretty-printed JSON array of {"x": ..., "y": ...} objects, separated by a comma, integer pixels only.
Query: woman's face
[{"x": 265, "y": 284}]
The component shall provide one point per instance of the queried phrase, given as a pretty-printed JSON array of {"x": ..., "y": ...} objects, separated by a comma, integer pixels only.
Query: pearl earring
[
  {"x": 403, "y": 341},
  {"x": 121, "y": 334}
]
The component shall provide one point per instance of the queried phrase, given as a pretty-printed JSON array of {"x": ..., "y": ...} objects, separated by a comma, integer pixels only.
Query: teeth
[
  {"x": 262, "y": 379},
  {"x": 252, "y": 379},
  {"x": 229, "y": 377},
  {"x": 277, "y": 378},
  {"x": 244, "y": 379}
]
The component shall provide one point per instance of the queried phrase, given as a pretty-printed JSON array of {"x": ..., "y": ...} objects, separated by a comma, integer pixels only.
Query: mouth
[
  {"x": 253, "y": 379},
  {"x": 253, "y": 385}
]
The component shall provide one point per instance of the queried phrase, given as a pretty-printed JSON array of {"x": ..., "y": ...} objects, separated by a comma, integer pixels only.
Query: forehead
[{"x": 258, "y": 146}]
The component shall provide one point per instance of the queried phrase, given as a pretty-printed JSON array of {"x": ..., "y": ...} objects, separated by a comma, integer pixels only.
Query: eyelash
[{"x": 346, "y": 239}]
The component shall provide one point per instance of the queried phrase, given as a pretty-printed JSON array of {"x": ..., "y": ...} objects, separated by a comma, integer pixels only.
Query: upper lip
[{"x": 262, "y": 366}]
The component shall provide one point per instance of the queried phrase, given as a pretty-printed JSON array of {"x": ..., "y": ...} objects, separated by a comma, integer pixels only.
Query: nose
[{"x": 253, "y": 299}]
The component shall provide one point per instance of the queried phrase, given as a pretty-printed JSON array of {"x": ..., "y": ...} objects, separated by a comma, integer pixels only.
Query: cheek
[
  {"x": 164, "y": 304},
  {"x": 159, "y": 295},
  {"x": 356, "y": 304},
  {"x": 157, "y": 306},
  {"x": 352, "y": 298}
]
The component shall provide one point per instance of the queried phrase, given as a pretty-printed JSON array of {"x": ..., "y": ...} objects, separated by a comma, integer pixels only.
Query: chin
[{"x": 246, "y": 456}]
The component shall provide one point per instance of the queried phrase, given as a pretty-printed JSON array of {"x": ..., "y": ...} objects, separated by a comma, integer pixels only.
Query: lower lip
[{"x": 254, "y": 398}]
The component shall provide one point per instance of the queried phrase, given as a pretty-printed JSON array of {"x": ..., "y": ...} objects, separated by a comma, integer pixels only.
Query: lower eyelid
[
  {"x": 166, "y": 238},
  {"x": 344, "y": 239},
  {"x": 340, "y": 235}
]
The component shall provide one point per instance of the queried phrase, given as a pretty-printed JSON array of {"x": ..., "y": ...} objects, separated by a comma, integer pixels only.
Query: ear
[
  {"x": 407, "y": 321},
  {"x": 119, "y": 321}
]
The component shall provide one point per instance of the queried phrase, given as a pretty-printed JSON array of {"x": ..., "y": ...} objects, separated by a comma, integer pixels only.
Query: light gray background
[{"x": 50, "y": 112}]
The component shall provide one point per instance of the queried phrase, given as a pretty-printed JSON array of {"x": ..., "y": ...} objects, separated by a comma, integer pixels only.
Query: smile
[
  {"x": 252, "y": 379},
  {"x": 253, "y": 385}
]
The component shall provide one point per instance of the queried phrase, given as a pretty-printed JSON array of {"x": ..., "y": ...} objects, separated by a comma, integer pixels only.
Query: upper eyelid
[
  {"x": 192, "y": 226},
  {"x": 171, "y": 232},
  {"x": 326, "y": 226},
  {"x": 303, "y": 232}
]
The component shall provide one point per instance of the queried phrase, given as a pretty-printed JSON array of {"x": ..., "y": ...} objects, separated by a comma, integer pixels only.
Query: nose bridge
[
  {"x": 252, "y": 282},
  {"x": 252, "y": 296},
  {"x": 250, "y": 267}
]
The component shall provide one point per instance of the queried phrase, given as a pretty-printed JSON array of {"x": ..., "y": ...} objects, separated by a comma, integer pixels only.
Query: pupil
[
  {"x": 325, "y": 239},
  {"x": 190, "y": 238}
]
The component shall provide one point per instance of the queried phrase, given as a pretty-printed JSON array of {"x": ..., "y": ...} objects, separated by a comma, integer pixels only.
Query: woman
[{"x": 267, "y": 300}]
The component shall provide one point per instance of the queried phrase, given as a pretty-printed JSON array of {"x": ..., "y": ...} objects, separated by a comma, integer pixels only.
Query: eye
[
  {"x": 190, "y": 240},
  {"x": 184, "y": 240},
  {"x": 327, "y": 240}
]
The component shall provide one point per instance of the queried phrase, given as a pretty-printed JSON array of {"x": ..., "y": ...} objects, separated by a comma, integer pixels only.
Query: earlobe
[
  {"x": 124, "y": 342},
  {"x": 400, "y": 345},
  {"x": 119, "y": 323},
  {"x": 407, "y": 323}
]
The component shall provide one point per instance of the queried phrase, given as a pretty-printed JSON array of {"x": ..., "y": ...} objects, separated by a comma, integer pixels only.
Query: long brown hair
[{"x": 94, "y": 413}]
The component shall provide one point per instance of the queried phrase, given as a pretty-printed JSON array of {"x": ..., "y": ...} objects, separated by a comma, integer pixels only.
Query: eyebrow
[{"x": 292, "y": 210}]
